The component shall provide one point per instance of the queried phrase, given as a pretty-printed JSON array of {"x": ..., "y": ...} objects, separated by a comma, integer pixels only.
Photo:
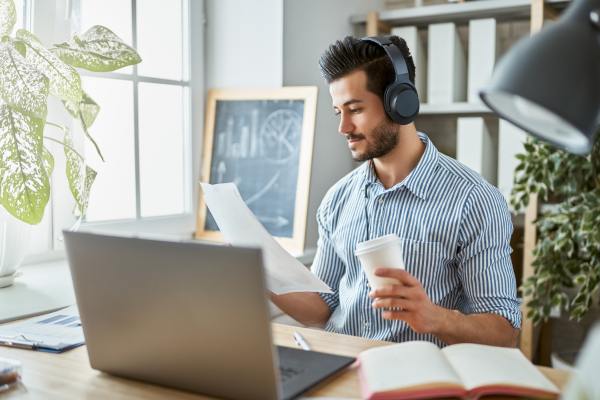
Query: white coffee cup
[{"x": 383, "y": 252}]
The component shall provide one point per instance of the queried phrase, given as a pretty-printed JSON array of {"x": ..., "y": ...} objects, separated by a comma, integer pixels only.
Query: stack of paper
[
  {"x": 447, "y": 74},
  {"x": 510, "y": 143},
  {"x": 475, "y": 147},
  {"x": 240, "y": 227},
  {"x": 483, "y": 50}
]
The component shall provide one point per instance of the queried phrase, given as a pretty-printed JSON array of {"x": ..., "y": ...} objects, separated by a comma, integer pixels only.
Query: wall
[
  {"x": 309, "y": 27},
  {"x": 244, "y": 43}
]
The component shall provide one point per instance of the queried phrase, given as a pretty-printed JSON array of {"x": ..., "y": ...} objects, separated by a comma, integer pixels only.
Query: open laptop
[{"x": 187, "y": 315}]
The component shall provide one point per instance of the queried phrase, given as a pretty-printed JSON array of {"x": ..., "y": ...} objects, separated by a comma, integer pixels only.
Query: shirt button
[
  {"x": 367, "y": 324},
  {"x": 368, "y": 285},
  {"x": 380, "y": 201}
]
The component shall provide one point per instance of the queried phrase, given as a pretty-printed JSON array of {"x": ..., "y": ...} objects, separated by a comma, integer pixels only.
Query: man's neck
[{"x": 392, "y": 168}]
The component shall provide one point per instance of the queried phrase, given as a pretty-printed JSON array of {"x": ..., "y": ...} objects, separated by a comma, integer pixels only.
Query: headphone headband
[{"x": 392, "y": 51}]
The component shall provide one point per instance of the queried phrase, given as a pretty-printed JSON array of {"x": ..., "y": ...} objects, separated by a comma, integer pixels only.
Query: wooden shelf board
[
  {"x": 457, "y": 12},
  {"x": 454, "y": 109}
]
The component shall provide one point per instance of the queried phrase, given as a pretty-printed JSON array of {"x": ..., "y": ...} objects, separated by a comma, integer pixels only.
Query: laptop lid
[{"x": 188, "y": 315}]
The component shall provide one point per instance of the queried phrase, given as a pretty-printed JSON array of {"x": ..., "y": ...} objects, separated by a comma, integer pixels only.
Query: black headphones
[{"x": 400, "y": 100}]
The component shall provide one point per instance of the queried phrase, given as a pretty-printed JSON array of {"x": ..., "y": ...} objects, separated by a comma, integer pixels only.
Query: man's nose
[{"x": 346, "y": 125}]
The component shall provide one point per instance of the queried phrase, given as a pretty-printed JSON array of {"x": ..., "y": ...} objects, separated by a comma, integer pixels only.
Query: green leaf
[
  {"x": 24, "y": 183},
  {"x": 17, "y": 44},
  {"x": 23, "y": 87},
  {"x": 560, "y": 218},
  {"x": 99, "y": 49},
  {"x": 80, "y": 182},
  {"x": 579, "y": 279},
  {"x": 529, "y": 147},
  {"x": 8, "y": 16},
  {"x": 82, "y": 122},
  {"x": 590, "y": 198},
  {"x": 88, "y": 106},
  {"x": 576, "y": 312},
  {"x": 48, "y": 160},
  {"x": 65, "y": 82}
]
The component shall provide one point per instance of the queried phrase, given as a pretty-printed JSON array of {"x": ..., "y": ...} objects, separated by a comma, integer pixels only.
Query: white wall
[
  {"x": 309, "y": 27},
  {"x": 244, "y": 43}
]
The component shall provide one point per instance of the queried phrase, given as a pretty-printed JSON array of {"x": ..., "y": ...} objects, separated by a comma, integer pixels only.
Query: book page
[
  {"x": 479, "y": 365},
  {"x": 406, "y": 365}
]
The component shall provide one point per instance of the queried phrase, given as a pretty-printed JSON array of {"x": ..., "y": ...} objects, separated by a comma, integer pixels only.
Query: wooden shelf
[
  {"x": 458, "y": 12},
  {"x": 455, "y": 109}
]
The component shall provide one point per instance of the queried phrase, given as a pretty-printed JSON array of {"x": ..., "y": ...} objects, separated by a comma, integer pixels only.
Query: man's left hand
[{"x": 418, "y": 310}]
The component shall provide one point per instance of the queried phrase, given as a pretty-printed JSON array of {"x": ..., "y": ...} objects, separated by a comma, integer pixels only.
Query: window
[{"x": 148, "y": 137}]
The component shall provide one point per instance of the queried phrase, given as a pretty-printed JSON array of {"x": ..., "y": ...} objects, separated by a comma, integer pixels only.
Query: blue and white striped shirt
[{"x": 455, "y": 229}]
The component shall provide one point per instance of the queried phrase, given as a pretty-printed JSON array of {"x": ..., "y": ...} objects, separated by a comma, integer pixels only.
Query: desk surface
[{"x": 69, "y": 376}]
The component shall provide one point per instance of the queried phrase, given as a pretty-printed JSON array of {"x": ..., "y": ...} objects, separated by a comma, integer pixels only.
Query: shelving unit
[
  {"x": 462, "y": 12},
  {"x": 502, "y": 10}
]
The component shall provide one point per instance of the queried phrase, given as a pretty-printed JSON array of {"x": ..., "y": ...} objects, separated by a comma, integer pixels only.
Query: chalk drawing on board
[{"x": 258, "y": 148}]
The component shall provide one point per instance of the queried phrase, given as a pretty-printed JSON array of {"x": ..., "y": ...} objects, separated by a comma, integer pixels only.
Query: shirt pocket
[{"x": 424, "y": 261}]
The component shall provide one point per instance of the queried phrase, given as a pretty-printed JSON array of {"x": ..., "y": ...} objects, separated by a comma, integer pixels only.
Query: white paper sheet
[{"x": 240, "y": 227}]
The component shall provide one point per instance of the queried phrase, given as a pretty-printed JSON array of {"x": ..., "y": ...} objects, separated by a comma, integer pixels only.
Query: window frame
[{"x": 46, "y": 19}]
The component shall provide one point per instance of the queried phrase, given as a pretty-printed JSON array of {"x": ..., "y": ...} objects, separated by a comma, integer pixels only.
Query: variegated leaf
[
  {"x": 85, "y": 130},
  {"x": 48, "y": 160},
  {"x": 24, "y": 183},
  {"x": 88, "y": 107},
  {"x": 17, "y": 44},
  {"x": 90, "y": 177},
  {"x": 8, "y": 16},
  {"x": 74, "y": 168},
  {"x": 65, "y": 82},
  {"x": 22, "y": 86},
  {"x": 99, "y": 49}
]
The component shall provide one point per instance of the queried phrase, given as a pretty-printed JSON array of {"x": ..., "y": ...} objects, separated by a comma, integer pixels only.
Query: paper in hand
[{"x": 240, "y": 227}]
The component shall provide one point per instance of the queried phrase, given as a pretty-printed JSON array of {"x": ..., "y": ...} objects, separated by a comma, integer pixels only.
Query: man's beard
[{"x": 384, "y": 139}]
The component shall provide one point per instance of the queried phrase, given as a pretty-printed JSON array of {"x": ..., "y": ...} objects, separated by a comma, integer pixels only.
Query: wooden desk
[{"x": 67, "y": 376}]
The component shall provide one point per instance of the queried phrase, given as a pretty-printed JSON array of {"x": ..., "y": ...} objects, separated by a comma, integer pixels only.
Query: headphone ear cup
[{"x": 402, "y": 103}]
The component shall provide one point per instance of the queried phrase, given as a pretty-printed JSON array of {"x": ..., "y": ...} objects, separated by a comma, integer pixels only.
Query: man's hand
[
  {"x": 423, "y": 316},
  {"x": 418, "y": 310}
]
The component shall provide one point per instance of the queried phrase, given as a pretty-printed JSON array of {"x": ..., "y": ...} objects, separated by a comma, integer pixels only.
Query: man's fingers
[
  {"x": 400, "y": 274},
  {"x": 390, "y": 290},
  {"x": 390, "y": 302},
  {"x": 401, "y": 315}
]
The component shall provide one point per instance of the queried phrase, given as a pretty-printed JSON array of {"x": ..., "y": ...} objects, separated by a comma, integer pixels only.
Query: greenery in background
[
  {"x": 28, "y": 74},
  {"x": 567, "y": 252}
]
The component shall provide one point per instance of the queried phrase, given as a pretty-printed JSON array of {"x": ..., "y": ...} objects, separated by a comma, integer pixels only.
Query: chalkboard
[{"x": 261, "y": 140}]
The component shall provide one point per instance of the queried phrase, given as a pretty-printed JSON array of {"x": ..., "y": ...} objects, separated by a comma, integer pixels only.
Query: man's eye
[
  {"x": 356, "y": 110},
  {"x": 338, "y": 113}
]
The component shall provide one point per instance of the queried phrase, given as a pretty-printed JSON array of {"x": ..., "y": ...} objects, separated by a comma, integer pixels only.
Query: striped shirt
[{"x": 455, "y": 229}]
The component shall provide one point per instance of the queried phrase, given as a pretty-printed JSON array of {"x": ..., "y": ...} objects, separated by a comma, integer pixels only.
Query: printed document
[{"x": 240, "y": 227}]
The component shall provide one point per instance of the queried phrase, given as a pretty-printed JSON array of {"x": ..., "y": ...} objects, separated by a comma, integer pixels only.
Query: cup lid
[{"x": 376, "y": 244}]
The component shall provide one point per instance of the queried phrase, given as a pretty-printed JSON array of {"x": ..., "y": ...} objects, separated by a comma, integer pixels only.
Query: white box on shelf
[
  {"x": 510, "y": 143},
  {"x": 483, "y": 51},
  {"x": 447, "y": 65},
  {"x": 411, "y": 35},
  {"x": 475, "y": 147}
]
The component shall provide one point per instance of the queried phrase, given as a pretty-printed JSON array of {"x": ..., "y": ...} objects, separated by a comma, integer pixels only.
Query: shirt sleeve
[
  {"x": 327, "y": 265},
  {"x": 484, "y": 263}
]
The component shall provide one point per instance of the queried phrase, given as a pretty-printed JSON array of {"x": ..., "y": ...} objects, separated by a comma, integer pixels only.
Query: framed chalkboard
[{"x": 261, "y": 140}]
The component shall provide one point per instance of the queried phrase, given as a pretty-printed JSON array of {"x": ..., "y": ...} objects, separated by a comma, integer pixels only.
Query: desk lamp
[{"x": 549, "y": 84}]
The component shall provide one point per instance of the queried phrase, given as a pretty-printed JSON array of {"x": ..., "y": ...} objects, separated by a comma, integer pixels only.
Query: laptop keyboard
[{"x": 289, "y": 373}]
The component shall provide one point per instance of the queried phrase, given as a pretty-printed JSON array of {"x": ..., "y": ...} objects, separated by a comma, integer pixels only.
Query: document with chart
[
  {"x": 240, "y": 227},
  {"x": 55, "y": 332}
]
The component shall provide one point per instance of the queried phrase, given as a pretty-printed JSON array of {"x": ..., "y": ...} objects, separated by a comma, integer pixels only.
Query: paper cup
[{"x": 383, "y": 252}]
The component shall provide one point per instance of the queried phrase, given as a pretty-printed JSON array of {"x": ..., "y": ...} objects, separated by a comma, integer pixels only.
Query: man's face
[{"x": 370, "y": 133}]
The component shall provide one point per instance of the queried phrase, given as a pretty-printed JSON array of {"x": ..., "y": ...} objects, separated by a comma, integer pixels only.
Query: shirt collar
[{"x": 418, "y": 181}]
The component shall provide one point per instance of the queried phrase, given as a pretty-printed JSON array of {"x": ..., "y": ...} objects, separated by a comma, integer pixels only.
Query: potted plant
[
  {"x": 567, "y": 252},
  {"x": 29, "y": 73}
]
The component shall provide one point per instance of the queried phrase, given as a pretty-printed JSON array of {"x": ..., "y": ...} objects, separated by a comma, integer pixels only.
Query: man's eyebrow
[{"x": 351, "y": 101}]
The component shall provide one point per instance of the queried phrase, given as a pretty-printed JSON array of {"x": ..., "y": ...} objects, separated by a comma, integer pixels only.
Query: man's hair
[{"x": 351, "y": 54}]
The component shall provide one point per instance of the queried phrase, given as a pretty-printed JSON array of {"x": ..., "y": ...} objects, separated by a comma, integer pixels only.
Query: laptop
[{"x": 187, "y": 315}]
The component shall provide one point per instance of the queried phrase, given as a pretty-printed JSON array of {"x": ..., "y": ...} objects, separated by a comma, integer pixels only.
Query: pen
[
  {"x": 18, "y": 343},
  {"x": 301, "y": 341}
]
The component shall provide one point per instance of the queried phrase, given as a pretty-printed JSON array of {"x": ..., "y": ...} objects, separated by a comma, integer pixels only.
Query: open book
[{"x": 420, "y": 370}]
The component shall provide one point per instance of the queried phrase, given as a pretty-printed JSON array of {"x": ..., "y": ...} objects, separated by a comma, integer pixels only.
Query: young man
[{"x": 459, "y": 285}]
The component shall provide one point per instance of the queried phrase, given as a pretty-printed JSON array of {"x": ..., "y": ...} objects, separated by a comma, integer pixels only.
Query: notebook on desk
[{"x": 188, "y": 315}]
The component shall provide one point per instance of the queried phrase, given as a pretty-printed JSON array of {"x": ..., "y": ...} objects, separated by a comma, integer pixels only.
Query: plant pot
[{"x": 14, "y": 242}]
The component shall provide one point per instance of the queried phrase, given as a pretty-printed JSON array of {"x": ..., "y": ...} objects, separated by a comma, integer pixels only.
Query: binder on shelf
[
  {"x": 483, "y": 51},
  {"x": 475, "y": 148},
  {"x": 447, "y": 66},
  {"x": 510, "y": 143},
  {"x": 411, "y": 35}
]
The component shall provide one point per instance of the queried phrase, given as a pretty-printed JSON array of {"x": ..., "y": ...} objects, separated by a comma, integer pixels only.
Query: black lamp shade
[{"x": 549, "y": 84}]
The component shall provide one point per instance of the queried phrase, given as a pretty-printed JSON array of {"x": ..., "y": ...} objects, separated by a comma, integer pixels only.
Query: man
[{"x": 459, "y": 285}]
